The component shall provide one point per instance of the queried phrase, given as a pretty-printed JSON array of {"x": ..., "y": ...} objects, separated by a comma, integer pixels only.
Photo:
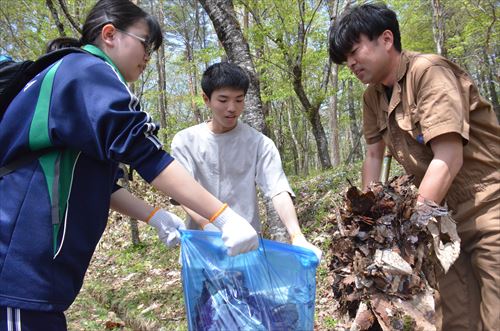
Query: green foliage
[
  {"x": 415, "y": 21},
  {"x": 471, "y": 30},
  {"x": 318, "y": 194},
  {"x": 24, "y": 36},
  {"x": 140, "y": 285},
  {"x": 330, "y": 323},
  {"x": 135, "y": 283}
]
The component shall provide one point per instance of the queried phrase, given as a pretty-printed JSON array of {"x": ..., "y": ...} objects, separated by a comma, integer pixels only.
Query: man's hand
[
  {"x": 167, "y": 225},
  {"x": 372, "y": 163},
  {"x": 426, "y": 209},
  {"x": 300, "y": 240},
  {"x": 237, "y": 234}
]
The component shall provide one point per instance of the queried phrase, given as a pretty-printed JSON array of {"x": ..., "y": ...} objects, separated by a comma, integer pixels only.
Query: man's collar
[
  {"x": 403, "y": 66},
  {"x": 404, "y": 61}
]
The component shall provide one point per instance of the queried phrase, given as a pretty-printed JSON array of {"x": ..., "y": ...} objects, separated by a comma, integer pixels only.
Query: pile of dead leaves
[{"x": 385, "y": 257}]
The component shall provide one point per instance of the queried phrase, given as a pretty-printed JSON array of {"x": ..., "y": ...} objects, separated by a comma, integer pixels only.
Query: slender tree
[
  {"x": 55, "y": 16},
  {"x": 288, "y": 28},
  {"x": 438, "y": 26},
  {"x": 74, "y": 23},
  {"x": 227, "y": 27}
]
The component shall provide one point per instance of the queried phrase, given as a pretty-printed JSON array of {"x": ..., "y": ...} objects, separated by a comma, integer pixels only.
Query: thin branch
[
  {"x": 74, "y": 24},
  {"x": 55, "y": 16},
  {"x": 19, "y": 42}
]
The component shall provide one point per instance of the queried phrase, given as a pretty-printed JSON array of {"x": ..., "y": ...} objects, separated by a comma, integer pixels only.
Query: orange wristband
[
  {"x": 152, "y": 213},
  {"x": 224, "y": 206}
]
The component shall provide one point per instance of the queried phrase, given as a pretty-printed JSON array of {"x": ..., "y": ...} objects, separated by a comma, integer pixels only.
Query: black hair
[
  {"x": 224, "y": 74},
  {"x": 122, "y": 14},
  {"x": 370, "y": 20},
  {"x": 62, "y": 42}
]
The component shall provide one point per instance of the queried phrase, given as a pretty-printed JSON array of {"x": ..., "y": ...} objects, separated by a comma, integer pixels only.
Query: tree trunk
[
  {"x": 295, "y": 145},
  {"x": 320, "y": 138},
  {"x": 293, "y": 53},
  {"x": 223, "y": 17},
  {"x": 275, "y": 229},
  {"x": 490, "y": 68},
  {"x": 333, "y": 120},
  {"x": 160, "y": 68},
  {"x": 311, "y": 111},
  {"x": 134, "y": 229},
  {"x": 189, "y": 37},
  {"x": 438, "y": 26},
  {"x": 353, "y": 122},
  {"x": 259, "y": 51},
  {"x": 162, "y": 86},
  {"x": 333, "y": 101},
  {"x": 55, "y": 16},
  {"x": 70, "y": 18},
  {"x": 311, "y": 108},
  {"x": 305, "y": 148}
]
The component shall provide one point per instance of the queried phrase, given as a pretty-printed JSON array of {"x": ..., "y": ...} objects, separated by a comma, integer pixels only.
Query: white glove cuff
[
  {"x": 210, "y": 227},
  {"x": 224, "y": 217},
  {"x": 158, "y": 218},
  {"x": 297, "y": 236}
]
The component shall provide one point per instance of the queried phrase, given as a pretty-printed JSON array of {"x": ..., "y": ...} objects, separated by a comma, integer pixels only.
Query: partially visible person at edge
[
  {"x": 231, "y": 159},
  {"x": 54, "y": 210},
  {"x": 429, "y": 113}
]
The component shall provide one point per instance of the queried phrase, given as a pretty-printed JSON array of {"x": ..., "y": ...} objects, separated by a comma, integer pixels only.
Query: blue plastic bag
[{"x": 271, "y": 288}]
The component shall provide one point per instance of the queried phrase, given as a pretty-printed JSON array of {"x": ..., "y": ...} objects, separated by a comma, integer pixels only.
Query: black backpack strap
[
  {"x": 47, "y": 59},
  {"x": 26, "y": 70},
  {"x": 24, "y": 160}
]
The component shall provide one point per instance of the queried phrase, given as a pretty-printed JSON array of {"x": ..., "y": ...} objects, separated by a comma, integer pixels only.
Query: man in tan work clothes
[{"x": 429, "y": 113}]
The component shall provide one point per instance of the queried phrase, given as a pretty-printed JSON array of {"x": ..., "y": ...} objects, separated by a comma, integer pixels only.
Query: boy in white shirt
[{"x": 229, "y": 158}]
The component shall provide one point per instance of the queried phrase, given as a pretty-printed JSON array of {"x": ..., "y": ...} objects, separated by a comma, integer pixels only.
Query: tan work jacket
[{"x": 432, "y": 97}]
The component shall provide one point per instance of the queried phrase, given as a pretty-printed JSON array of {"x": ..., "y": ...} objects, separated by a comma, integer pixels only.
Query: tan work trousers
[{"x": 470, "y": 291}]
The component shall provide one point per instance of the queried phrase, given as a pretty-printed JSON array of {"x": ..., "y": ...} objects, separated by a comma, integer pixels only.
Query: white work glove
[
  {"x": 300, "y": 240},
  {"x": 210, "y": 227},
  {"x": 237, "y": 234},
  {"x": 167, "y": 225}
]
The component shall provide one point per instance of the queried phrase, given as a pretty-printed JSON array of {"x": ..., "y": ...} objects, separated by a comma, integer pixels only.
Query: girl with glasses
[{"x": 54, "y": 209}]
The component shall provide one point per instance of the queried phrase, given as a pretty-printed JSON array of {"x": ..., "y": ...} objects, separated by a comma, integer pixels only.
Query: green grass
[
  {"x": 330, "y": 323},
  {"x": 141, "y": 285}
]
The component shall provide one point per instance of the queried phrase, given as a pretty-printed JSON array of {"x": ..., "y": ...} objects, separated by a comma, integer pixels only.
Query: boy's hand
[
  {"x": 167, "y": 225},
  {"x": 210, "y": 227},
  {"x": 300, "y": 240},
  {"x": 238, "y": 235}
]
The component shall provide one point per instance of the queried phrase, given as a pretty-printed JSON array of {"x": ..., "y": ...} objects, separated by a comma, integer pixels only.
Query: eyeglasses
[{"x": 147, "y": 46}]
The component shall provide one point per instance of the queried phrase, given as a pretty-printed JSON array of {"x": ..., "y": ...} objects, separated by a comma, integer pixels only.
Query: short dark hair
[
  {"x": 62, "y": 42},
  {"x": 370, "y": 20},
  {"x": 224, "y": 74}
]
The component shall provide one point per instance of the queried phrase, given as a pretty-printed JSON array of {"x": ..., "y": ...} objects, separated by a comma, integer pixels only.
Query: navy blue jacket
[{"x": 54, "y": 210}]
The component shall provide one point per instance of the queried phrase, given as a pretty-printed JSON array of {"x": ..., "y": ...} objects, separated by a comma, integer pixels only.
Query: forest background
[{"x": 310, "y": 107}]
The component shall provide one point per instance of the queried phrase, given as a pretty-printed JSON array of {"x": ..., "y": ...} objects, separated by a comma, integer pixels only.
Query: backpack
[{"x": 13, "y": 77}]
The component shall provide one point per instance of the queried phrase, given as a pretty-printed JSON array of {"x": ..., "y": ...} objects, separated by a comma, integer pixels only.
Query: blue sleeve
[{"x": 93, "y": 111}]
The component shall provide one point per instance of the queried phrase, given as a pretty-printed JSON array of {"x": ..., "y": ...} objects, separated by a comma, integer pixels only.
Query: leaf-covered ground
[{"x": 139, "y": 288}]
